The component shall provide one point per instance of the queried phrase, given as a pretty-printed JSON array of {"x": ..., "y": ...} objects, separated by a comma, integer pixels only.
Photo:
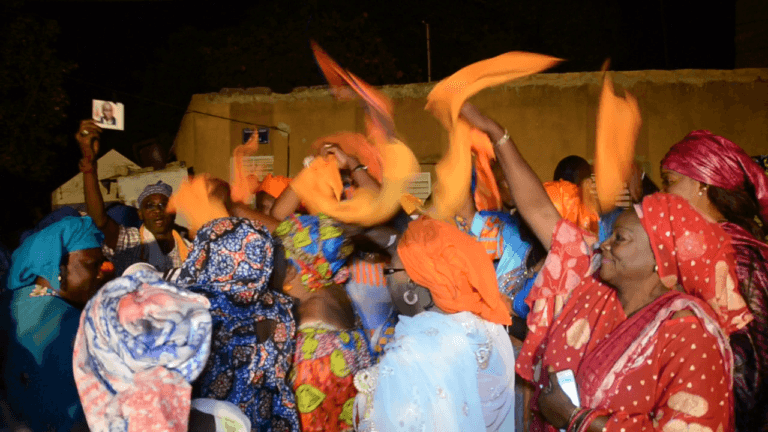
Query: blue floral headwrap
[
  {"x": 140, "y": 344},
  {"x": 231, "y": 262}
]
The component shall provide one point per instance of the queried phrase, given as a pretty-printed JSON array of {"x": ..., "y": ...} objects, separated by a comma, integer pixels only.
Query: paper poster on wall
[{"x": 109, "y": 115}]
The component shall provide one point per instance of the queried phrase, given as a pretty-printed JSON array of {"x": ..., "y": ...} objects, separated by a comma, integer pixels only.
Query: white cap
[{"x": 227, "y": 416}]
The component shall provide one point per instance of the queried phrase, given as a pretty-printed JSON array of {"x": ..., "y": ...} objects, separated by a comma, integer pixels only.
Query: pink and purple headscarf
[
  {"x": 140, "y": 344},
  {"x": 716, "y": 161}
]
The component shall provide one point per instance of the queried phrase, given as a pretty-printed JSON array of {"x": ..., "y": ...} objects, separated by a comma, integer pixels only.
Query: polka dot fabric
[
  {"x": 571, "y": 310},
  {"x": 695, "y": 253},
  {"x": 682, "y": 385}
]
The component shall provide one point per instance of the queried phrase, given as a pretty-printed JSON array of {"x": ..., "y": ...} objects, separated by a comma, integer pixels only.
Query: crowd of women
[{"x": 337, "y": 302}]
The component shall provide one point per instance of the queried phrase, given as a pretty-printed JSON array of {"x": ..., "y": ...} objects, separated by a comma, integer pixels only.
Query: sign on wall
[
  {"x": 262, "y": 165},
  {"x": 421, "y": 186}
]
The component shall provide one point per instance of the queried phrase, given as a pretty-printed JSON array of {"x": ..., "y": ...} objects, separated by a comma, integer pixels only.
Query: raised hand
[
  {"x": 475, "y": 118},
  {"x": 345, "y": 161},
  {"x": 87, "y": 137}
]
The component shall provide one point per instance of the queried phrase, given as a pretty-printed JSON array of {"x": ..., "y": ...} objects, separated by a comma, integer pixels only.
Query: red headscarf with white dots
[{"x": 695, "y": 253}]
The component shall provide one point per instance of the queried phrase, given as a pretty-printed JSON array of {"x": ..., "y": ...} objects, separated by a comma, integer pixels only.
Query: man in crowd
[{"x": 156, "y": 241}]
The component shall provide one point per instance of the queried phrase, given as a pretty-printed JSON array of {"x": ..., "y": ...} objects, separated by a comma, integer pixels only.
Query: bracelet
[
  {"x": 359, "y": 167},
  {"x": 503, "y": 139},
  {"x": 573, "y": 414},
  {"x": 577, "y": 422}
]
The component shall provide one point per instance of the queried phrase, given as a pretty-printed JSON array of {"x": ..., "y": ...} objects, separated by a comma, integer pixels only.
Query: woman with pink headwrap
[{"x": 718, "y": 178}]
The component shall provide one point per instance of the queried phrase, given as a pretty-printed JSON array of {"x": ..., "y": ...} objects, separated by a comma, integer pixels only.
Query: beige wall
[{"x": 550, "y": 116}]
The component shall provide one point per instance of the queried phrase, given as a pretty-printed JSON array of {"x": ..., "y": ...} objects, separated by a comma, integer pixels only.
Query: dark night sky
[
  {"x": 154, "y": 55},
  {"x": 115, "y": 42}
]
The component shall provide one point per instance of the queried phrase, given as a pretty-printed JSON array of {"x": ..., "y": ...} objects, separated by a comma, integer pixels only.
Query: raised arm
[
  {"x": 285, "y": 205},
  {"x": 88, "y": 138},
  {"x": 357, "y": 170},
  {"x": 526, "y": 189}
]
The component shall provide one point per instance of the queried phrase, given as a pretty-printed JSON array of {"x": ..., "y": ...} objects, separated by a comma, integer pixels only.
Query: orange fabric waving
[
  {"x": 274, "y": 185},
  {"x": 454, "y": 171},
  {"x": 412, "y": 204},
  {"x": 345, "y": 86},
  {"x": 354, "y": 144},
  {"x": 398, "y": 164},
  {"x": 195, "y": 200},
  {"x": 244, "y": 184},
  {"x": 365, "y": 208},
  {"x": 454, "y": 267},
  {"x": 567, "y": 199},
  {"x": 319, "y": 185},
  {"x": 487, "y": 196},
  {"x": 618, "y": 124}
]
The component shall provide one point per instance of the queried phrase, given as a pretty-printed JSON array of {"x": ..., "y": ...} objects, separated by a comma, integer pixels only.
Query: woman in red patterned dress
[{"x": 647, "y": 339}]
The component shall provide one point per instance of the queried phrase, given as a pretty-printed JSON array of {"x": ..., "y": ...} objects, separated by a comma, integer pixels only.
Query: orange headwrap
[
  {"x": 567, "y": 199},
  {"x": 454, "y": 171},
  {"x": 274, "y": 185},
  {"x": 454, "y": 267},
  {"x": 399, "y": 165},
  {"x": 618, "y": 124}
]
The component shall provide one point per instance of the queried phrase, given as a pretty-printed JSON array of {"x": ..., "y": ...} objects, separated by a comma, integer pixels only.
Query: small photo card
[{"x": 109, "y": 115}]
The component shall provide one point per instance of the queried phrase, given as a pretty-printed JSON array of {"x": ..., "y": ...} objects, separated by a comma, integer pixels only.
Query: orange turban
[
  {"x": 454, "y": 171},
  {"x": 454, "y": 267},
  {"x": 566, "y": 197},
  {"x": 274, "y": 185}
]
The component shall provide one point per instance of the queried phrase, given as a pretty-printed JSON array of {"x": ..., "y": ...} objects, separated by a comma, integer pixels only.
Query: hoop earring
[{"x": 410, "y": 301}]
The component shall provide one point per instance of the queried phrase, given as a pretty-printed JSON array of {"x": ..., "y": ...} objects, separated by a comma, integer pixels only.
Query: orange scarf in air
[
  {"x": 454, "y": 171},
  {"x": 399, "y": 165}
]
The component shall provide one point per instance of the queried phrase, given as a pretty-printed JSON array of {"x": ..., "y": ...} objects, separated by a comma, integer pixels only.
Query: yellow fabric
[
  {"x": 183, "y": 249},
  {"x": 180, "y": 245},
  {"x": 454, "y": 171},
  {"x": 618, "y": 124}
]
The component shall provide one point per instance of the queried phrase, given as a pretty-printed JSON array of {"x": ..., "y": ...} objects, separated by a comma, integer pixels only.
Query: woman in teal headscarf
[{"x": 52, "y": 276}]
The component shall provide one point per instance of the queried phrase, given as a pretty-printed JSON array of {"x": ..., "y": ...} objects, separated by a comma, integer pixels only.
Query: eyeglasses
[
  {"x": 155, "y": 206},
  {"x": 389, "y": 271}
]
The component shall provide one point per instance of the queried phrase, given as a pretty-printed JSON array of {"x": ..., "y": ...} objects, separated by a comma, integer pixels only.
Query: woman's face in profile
[
  {"x": 627, "y": 254},
  {"x": 80, "y": 276}
]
